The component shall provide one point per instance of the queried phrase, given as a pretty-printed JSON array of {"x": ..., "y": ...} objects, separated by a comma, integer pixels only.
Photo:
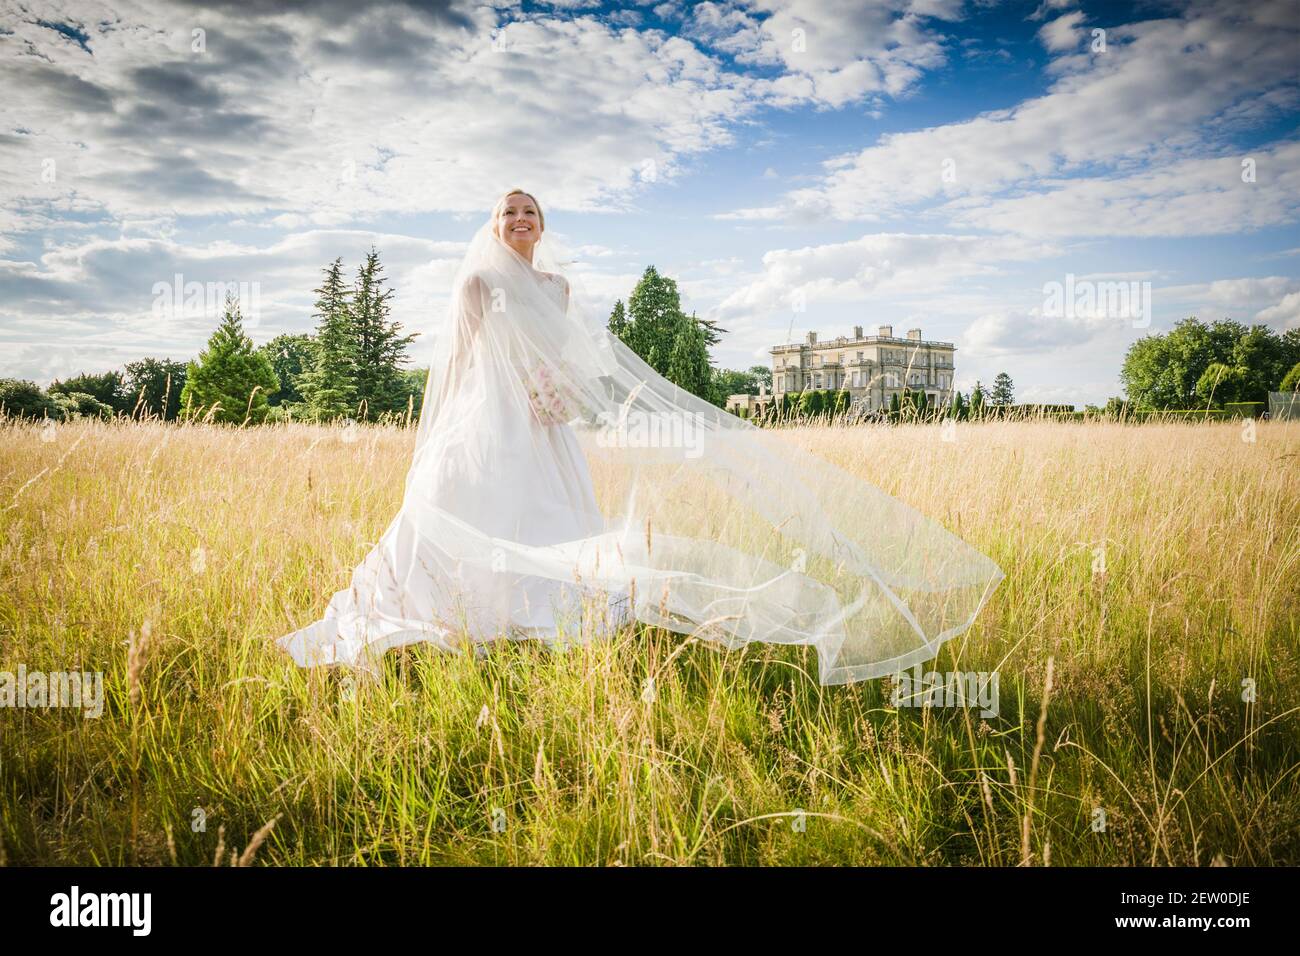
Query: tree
[
  {"x": 727, "y": 382},
  {"x": 654, "y": 327},
  {"x": 672, "y": 343},
  {"x": 415, "y": 379},
  {"x": 1220, "y": 383},
  {"x": 328, "y": 388},
  {"x": 1291, "y": 381},
  {"x": 106, "y": 387},
  {"x": 1163, "y": 371},
  {"x": 154, "y": 387},
  {"x": 291, "y": 356},
  {"x": 810, "y": 403},
  {"x": 80, "y": 405},
  {"x": 895, "y": 406},
  {"x": 712, "y": 331},
  {"x": 977, "y": 400},
  {"x": 840, "y": 402},
  {"x": 378, "y": 348},
  {"x": 958, "y": 408},
  {"x": 618, "y": 323},
  {"x": 231, "y": 380},
  {"x": 1003, "y": 392},
  {"x": 762, "y": 375},
  {"x": 688, "y": 362},
  {"x": 20, "y": 398}
]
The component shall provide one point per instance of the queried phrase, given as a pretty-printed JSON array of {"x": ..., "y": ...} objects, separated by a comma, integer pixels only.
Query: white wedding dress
[
  {"x": 509, "y": 472},
  {"x": 560, "y": 487}
]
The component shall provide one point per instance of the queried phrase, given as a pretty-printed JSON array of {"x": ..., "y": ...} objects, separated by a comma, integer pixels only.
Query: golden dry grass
[{"x": 1157, "y": 567}]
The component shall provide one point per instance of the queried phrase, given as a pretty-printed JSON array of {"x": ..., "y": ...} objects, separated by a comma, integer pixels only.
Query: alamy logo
[
  {"x": 206, "y": 300},
  {"x": 102, "y": 909},
  {"x": 639, "y": 429},
  {"x": 951, "y": 689},
  {"x": 1084, "y": 298},
  {"x": 31, "y": 689}
]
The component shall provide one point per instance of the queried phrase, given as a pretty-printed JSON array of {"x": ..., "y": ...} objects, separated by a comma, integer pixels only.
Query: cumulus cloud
[
  {"x": 395, "y": 107},
  {"x": 1063, "y": 33},
  {"x": 1135, "y": 118},
  {"x": 875, "y": 264},
  {"x": 831, "y": 52},
  {"x": 1283, "y": 315}
]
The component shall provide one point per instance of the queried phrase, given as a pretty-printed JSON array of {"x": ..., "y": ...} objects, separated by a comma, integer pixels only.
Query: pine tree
[
  {"x": 655, "y": 308},
  {"x": 1002, "y": 390},
  {"x": 711, "y": 329},
  {"x": 618, "y": 321},
  {"x": 977, "y": 400},
  {"x": 230, "y": 381},
  {"x": 378, "y": 347},
  {"x": 328, "y": 388},
  {"x": 688, "y": 361}
]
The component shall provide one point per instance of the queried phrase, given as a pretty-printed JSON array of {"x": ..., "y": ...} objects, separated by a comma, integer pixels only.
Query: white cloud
[
  {"x": 1284, "y": 315},
  {"x": 1236, "y": 298},
  {"x": 832, "y": 52},
  {"x": 1063, "y": 33},
  {"x": 387, "y": 110},
  {"x": 876, "y": 264},
  {"x": 1133, "y": 119}
]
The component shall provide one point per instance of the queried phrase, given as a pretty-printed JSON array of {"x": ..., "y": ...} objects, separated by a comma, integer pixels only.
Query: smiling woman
[{"x": 560, "y": 487}]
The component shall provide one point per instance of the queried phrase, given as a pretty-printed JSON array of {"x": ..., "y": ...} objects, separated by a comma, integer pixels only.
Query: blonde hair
[{"x": 501, "y": 205}]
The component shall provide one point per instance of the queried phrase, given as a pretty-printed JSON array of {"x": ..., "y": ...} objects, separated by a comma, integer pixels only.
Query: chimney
[
  {"x": 857, "y": 331},
  {"x": 914, "y": 334},
  {"x": 812, "y": 338},
  {"x": 886, "y": 331}
]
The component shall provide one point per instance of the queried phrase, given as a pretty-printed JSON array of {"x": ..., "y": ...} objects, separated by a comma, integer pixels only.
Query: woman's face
[{"x": 519, "y": 224}]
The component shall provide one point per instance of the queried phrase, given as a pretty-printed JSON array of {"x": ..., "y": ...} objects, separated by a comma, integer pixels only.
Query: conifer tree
[
  {"x": 231, "y": 380},
  {"x": 688, "y": 363},
  {"x": 378, "y": 348},
  {"x": 328, "y": 388},
  {"x": 1002, "y": 390},
  {"x": 618, "y": 321}
]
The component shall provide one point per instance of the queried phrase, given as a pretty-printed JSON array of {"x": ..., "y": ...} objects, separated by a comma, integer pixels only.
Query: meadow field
[{"x": 1147, "y": 638}]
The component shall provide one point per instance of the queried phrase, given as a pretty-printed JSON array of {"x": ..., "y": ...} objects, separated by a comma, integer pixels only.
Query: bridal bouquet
[{"x": 552, "y": 404}]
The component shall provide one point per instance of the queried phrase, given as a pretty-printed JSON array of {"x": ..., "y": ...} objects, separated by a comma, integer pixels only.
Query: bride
[{"x": 561, "y": 488}]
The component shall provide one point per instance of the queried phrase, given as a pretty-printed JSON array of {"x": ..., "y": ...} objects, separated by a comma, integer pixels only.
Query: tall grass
[{"x": 1150, "y": 572}]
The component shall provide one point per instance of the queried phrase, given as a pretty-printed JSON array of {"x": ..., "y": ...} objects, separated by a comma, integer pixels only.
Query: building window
[{"x": 818, "y": 381}]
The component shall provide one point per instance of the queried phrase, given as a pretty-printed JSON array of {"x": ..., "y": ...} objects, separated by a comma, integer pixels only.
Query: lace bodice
[{"x": 555, "y": 285}]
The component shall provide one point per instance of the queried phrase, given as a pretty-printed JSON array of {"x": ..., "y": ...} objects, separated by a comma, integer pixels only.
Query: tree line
[
  {"x": 350, "y": 367},
  {"x": 1199, "y": 366}
]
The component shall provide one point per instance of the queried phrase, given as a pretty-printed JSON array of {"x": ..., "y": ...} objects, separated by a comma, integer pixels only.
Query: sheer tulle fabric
[{"x": 560, "y": 487}]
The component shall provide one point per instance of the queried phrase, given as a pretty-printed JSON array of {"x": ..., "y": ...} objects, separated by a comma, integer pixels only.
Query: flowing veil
[{"x": 681, "y": 515}]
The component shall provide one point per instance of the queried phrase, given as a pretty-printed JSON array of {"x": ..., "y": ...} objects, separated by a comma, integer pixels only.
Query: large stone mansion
[{"x": 871, "y": 368}]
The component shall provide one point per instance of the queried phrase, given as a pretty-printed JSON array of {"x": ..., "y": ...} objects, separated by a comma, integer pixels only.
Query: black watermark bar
[{"x": 336, "y": 905}]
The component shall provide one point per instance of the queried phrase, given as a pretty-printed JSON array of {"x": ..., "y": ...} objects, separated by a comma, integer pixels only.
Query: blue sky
[{"x": 795, "y": 166}]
